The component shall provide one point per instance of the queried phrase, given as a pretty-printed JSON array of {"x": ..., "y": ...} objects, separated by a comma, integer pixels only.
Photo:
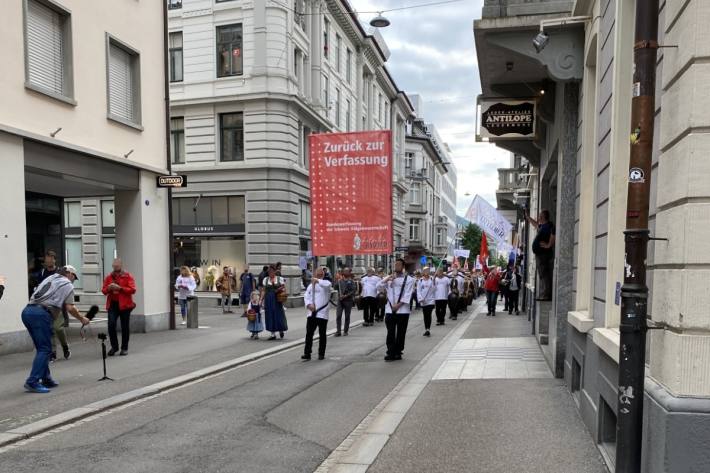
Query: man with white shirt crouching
[
  {"x": 399, "y": 287},
  {"x": 317, "y": 299}
]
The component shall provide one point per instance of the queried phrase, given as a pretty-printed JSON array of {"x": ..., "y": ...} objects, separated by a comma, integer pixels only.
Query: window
[
  {"x": 48, "y": 53},
  {"x": 387, "y": 114},
  {"x": 415, "y": 193},
  {"x": 305, "y": 216},
  {"x": 177, "y": 140},
  {"x": 348, "y": 65},
  {"x": 440, "y": 237},
  {"x": 296, "y": 72},
  {"x": 217, "y": 210},
  {"x": 232, "y": 136},
  {"x": 326, "y": 37},
  {"x": 306, "y": 132},
  {"x": 229, "y": 50},
  {"x": 326, "y": 95},
  {"x": 72, "y": 215},
  {"x": 174, "y": 4},
  {"x": 108, "y": 217},
  {"x": 123, "y": 83},
  {"x": 338, "y": 47},
  {"x": 414, "y": 229},
  {"x": 348, "y": 112},
  {"x": 379, "y": 106},
  {"x": 408, "y": 161},
  {"x": 175, "y": 40},
  {"x": 337, "y": 108}
]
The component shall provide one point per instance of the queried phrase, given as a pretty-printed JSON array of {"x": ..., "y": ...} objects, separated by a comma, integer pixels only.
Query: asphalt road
[{"x": 275, "y": 415}]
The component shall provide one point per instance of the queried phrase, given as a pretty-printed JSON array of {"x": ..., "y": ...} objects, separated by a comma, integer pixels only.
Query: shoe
[
  {"x": 36, "y": 388},
  {"x": 454, "y": 318},
  {"x": 183, "y": 323},
  {"x": 389, "y": 358},
  {"x": 112, "y": 352},
  {"x": 252, "y": 336},
  {"x": 123, "y": 353},
  {"x": 493, "y": 314},
  {"x": 281, "y": 334},
  {"x": 306, "y": 357},
  {"x": 53, "y": 357},
  {"x": 273, "y": 337},
  {"x": 67, "y": 353},
  {"x": 510, "y": 313},
  {"x": 398, "y": 358},
  {"x": 345, "y": 334},
  {"x": 256, "y": 336},
  {"x": 427, "y": 334},
  {"x": 321, "y": 357},
  {"x": 517, "y": 312},
  {"x": 230, "y": 311},
  {"x": 50, "y": 383},
  {"x": 337, "y": 334}
]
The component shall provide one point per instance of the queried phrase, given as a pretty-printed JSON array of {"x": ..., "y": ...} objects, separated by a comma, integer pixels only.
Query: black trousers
[
  {"x": 545, "y": 264},
  {"x": 396, "y": 333},
  {"x": 380, "y": 314},
  {"x": 114, "y": 315},
  {"x": 454, "y": 307},
  {"x": 322, "y": 325},
  {"x": 347, "y": 307},
  {"x": 369, "y": 309},
  {"x": 513, "y": 300},
  {"x": 441, "y": 310},
  {"x": 428, "y": 309}
]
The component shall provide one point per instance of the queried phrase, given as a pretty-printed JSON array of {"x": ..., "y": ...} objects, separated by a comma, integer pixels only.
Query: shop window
[
  {"x": 220, "y": 210},
  {"x": 236, "y": 210}
]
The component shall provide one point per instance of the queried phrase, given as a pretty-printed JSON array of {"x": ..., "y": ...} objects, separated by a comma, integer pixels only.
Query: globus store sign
[{"x": 506, "y": 119}]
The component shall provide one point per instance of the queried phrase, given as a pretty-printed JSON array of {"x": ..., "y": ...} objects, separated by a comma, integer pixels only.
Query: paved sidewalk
[
  {"x": 153, "y": 357},
  {"x": 491, "y": 407}
]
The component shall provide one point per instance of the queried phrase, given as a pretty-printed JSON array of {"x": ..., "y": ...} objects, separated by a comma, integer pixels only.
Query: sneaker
[
  {"x": 67, "y": 353},
  {"x": 112, "y": 351},
  {"x": 183, "y": 323},
  {"x": 123, "y": 353},
  {"x": 306, "y": 357},
  {"x": 36, "y": 388},
  {"x": 427, "y": 334},
  {"x": 49, "y": 383}
]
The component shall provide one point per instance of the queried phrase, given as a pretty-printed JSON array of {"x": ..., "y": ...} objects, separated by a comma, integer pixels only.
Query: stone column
[
  {"x": 13, "y": 246},
  {"x": 142, "y": 244}
]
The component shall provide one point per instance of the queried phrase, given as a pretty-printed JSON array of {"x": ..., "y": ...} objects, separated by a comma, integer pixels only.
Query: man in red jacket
[
  {"x": 492, "y": 286},
  {"x": 119, "y": 287}
]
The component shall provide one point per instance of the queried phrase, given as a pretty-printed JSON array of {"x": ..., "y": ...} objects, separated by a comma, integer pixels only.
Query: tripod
[{"x": 103, "y": 355}]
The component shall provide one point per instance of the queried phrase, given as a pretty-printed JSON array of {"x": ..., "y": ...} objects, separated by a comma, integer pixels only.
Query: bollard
[{"x": 192, "y": 311}]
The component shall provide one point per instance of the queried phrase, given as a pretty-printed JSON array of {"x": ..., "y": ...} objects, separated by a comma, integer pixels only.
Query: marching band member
[
  {"x": 425, "y": 297},
  {"x": 399, "y": 287},
  {"x": 317, "y": 300},
  {"x": 441, "y": 295},
  {"x": 369, "y": 284}
]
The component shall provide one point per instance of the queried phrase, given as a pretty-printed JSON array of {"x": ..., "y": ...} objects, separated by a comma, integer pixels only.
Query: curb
[{"x": 33, "y": 429}]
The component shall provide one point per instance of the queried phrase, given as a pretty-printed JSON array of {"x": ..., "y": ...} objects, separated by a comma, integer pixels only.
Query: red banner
[{"x": 351, "y": 193}]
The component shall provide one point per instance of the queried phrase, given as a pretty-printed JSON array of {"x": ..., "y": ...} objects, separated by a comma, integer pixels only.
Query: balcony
[{"x": 510, "y": 182}]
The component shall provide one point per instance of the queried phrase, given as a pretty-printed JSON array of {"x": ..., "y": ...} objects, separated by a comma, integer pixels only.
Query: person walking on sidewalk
[
  {"x": 119, "y": 287},
  {"x": 442, "y": 287},
  {"x": 54, "y": 294},
  {"x": 515, "y": 280},
  {"x": 346, "y": 297},
  {"x": 399, "y": 287},
  {"x": 253, "y": 311},
  {"x": 226, "y": 285},
  {"x": 185, "y": 284},
  {"x": 425, "y": 296},
  {"x": 317, "y": 300},
  {"x": 369, "y": 296},
  {"x": 492, "y": 286},
  {"x": 247, "y": 287},
  {"x": 274, "y": 313},
  {"x": 49, "y": 267},
  {"x": 543, "y": 247}
]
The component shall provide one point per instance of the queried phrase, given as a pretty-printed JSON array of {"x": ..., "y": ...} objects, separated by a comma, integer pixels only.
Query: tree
[
  {"x": 502, "y": 261},
  {"x": 472, "y": 240}
]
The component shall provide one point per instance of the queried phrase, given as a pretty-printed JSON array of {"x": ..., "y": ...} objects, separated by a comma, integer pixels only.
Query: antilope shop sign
[
  {"x": 351, "y": 193},
  {"x": 502, "y": 119}
]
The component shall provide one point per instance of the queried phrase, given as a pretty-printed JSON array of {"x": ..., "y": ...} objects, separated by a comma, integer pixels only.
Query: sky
[{"x": 433, "y": 55}]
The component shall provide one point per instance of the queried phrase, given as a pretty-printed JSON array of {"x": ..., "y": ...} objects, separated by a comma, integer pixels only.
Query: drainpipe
[
  {"x": 634, "y": 292},
  {"x": 166, "y": 86}
]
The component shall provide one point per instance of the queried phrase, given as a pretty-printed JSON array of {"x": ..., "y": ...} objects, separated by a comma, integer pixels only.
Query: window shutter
[
  {"x": 45, "y": 47},
  {"x": 120, "y": 84}
]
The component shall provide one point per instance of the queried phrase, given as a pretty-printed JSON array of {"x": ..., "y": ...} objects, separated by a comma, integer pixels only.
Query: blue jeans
[
  {"x": 492, "y": 298},
  {"x": 39, "y": 323},
  {"x": 183, "y": 307}
]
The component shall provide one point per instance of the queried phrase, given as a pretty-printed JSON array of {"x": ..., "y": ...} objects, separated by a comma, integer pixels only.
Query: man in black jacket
[{"x": 513, "y": 289}]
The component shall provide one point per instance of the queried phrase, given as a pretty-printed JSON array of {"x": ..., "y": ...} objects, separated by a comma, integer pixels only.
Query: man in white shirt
[
  {"x": 425, "y": 296},
  {"x": 458, "y": 279},
  {"x": 442, "y": 287},
  {"x": 399, "y": 287},
  {"x": 369, "y": 284},
  {"x": 317, "y": 300}
]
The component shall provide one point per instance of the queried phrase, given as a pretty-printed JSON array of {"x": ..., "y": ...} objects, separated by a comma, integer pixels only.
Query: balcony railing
[{"x": 512, "y": 179}]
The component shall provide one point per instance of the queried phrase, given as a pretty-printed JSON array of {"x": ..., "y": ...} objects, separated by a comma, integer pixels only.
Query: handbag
[
  {"x": 281, "y": 296},
  {"x": 251, "y": 315}
]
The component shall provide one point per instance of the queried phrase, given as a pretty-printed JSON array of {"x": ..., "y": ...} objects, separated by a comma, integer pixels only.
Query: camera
[{"x": 102, "y": 336}]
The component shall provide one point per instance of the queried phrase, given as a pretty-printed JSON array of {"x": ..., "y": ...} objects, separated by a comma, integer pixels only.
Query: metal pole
[
  {"x": 166, "y": 85},
  {"x": 634, "y": 292}
]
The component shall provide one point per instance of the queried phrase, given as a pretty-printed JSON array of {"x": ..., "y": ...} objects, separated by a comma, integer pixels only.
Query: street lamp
[
  {"x": 379, "y": 21},
  {"x": 541, "y": 39}
]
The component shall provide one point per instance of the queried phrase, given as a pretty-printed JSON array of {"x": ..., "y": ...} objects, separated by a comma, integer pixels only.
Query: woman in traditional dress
[{"x": 274, "y": 314}]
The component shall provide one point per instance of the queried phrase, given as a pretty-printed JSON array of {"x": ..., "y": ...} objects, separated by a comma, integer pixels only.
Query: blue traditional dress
[
  {"x": 256, "y": 325},
  {"x": 274, "y": 314}
]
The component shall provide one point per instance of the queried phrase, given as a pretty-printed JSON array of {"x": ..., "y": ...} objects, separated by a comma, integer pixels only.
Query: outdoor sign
[
  {"x": 489, "y": 220},
  {"x": 459, "y": 253},
  {"x": 172, "y": 181},
  {"x": 505, "y": 119},
  {"x": 351, "y": 193},
  {"x": 401, "y": 249}
]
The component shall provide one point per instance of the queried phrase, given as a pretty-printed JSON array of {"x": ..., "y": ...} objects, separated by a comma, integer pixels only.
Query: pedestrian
[
  {"x": 426, "y": 298},
  {"x": 119, "y": 287},
  {"x": 278, "y": 268},
  {"x": 195, "y": 276},
  {"x": 543, "y": 247},
  {"x": 262, "y": 275},
  {"x": 247, "y": 287},
  {"x": 492, "y": 286},
  {"x": 514, "y": 290},
  {"x": 271, "y": 287},
  {"x": 346, "y": 298},
  {"x": 381, "y": 297},
  {"x": 185, "y": 284},
  {"x": 504, "y": 282},
  {"x": 368, "y": 284},
  {"x": 327, "y": 276},
  {"x": 55, "y": 293},
  {"x": 226, "y": 284},
  {"x": 49, "y": 267},
  {"x": 253, "y": 311},
  {"x": 454, "y": 294},
  {"x": 399, "y": 287},
  {"x": 442, "y": 288},
  {"x": 317, "y": 300}
]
